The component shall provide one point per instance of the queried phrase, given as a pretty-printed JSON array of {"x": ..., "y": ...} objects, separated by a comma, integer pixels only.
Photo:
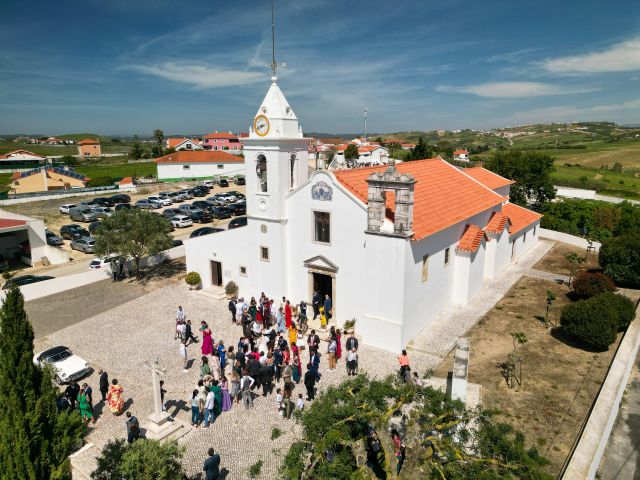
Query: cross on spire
[{"x": 274, "y": 65}]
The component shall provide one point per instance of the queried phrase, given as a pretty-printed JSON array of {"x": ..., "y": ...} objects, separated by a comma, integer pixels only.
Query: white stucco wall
[
  {"x": 524, "y": 242},
  {"x": 198, "y": 170}
]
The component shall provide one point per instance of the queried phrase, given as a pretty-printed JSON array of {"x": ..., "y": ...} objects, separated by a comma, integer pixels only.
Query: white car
[
  {"x": 103, "y": 262},
  {"x": 66, "y": 207},
  {"x": 164, "y": 201},
  {"x": 66, "y": 365},
  {"x": 181, "y": 221}
]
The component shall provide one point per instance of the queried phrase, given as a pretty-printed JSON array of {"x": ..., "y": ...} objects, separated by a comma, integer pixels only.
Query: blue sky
[{"x": 130, "y": 66}]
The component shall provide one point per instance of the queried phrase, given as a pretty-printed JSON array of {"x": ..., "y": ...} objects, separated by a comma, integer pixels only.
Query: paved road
[
  {"x": 621, "y": 460},
  {"x": 52, "y": 313}
]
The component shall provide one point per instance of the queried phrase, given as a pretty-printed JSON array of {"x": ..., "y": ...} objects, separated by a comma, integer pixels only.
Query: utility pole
[{"x": 365, "y": 124}]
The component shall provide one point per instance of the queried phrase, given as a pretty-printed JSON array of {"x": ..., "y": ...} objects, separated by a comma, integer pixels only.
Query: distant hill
[{"x": 80, "y": 136}]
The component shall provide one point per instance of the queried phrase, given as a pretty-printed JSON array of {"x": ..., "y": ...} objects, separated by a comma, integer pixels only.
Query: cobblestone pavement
[
  {"x": 122, "y": 339},
  {"x": 439, "y": 337}
]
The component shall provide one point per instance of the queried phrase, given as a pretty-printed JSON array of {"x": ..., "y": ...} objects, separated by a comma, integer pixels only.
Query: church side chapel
[{"x": 392, "y": 245}]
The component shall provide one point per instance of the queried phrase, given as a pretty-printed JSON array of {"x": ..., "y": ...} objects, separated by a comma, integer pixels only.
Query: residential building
[
  {"x": 392, "y": 245},
  {"x": 198, "y": 164},
  {"x": 183, "y": 144},
  {"x": 227, "y": 142},
  {"x": 89, "y": 148},
  {"x": 461, "y": 155},
  {"x": 21, "y": 158},
  {"x": 44, "y": 179},
  {"x": 367, "y": 154}
]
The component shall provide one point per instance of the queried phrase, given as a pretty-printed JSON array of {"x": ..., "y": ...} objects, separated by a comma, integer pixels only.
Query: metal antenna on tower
[
  {"x": 365, "y": 123},
  {"x": 274, "y": 65}
]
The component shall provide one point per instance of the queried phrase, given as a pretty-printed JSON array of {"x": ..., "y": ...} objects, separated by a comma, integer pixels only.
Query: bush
[
  {"x": 100, "y": 181},
  {"x": 620, "y": 259},
  {"x": 193, "y": 279},
  {"x": 590, "y": 322},
  {"x": 623, "y": 308},
  {"x": 231, "y": 288},
  {"x": 590, "y": 284}
]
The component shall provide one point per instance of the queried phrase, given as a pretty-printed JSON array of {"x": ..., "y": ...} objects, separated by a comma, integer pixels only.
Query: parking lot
[{"x": 49, "y": 211}]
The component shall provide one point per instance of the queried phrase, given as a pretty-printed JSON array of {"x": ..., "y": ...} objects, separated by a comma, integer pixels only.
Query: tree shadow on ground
[
  {"x": 177, "y": 406},
  {"x": 559, "y": 334},
  {"x": 163, "y": 271}
]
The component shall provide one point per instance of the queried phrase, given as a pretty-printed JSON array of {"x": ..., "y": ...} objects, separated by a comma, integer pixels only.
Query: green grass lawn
[
  {"x": 625, "y": 185},
  {"x": 6, "y": 147},
  {"x": 144, "y": 169}
]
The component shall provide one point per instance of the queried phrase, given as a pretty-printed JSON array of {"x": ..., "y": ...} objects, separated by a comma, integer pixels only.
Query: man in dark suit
[
  {"x": 188, "y": 333},
  {"x": 313, "y": 340},
  {"x": 352, "y": 343},
  {"x": 310, "y": 382},
  {"x": 104, "y": 384},
  {"x": 212, "y": 466},
  {"x": 232, "y": 309},
  {"x": 317, "y": 299}
]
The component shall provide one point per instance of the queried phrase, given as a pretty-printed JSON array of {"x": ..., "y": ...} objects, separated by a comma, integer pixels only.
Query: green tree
[
  {"x": 35, "y": 439},
  {"x": 133, "y": 234},
  {"x": 69, "y": 160},
  {"x": 531, "y": 172},
  {"x": 620, "y": 259},
  {"x": 142, "y": 460},
  {"x": 574, "y": 260},
  {"x": 137, "y": 150},
  {"x": 351, "y": 152},
  {"x": 421, "y": 150},
  {"x": 159, "y": 136},
  {"x": 100, "y": 181}
]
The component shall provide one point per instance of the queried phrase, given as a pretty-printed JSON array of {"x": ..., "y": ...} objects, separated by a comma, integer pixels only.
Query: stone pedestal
[
  {"x": 460, "y": 370},
  {"x": 161, "y": 427}
]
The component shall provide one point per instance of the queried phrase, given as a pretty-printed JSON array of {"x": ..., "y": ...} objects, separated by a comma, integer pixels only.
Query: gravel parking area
[{"x": 120, "y": 340}]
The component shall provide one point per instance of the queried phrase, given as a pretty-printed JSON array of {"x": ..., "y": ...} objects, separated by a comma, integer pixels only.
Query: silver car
[
  {"x": 147, "y": 204},
  {"x": 103, "y": 212},
  {"x": 84, "y": 244},
  {"x": 188, "y": 209},
  {"x": 82, "y": 214}
]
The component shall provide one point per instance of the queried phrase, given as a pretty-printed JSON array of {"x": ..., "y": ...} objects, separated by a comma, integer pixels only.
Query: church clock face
[{"x": 261, "y": 125}]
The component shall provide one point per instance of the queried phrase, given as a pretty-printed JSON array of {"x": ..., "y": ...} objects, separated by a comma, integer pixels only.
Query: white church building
[{"x": 392, "y": 244}]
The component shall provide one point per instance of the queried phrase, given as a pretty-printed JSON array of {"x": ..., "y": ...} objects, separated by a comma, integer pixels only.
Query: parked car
[
  {"x": 202, "y": 205},
  {"x": 181, "y": 221},
  {"x": 238, "y": 222},
  {"x": 169, "y": 213},
  {"x": 227, "y": 197},
  {"x": 240, "y": 181},
  {"x": 177, "y": 243},
  {"x": 220, "y": 212},
  {"x": 201, "y": 216},
  {"x": 223, "y": 183},
  {"x": 66, "y": 365},
  {"x": 199, "y": 191},
  {"x": 4, "y": 263},
  {"x": 83, "y": 244},
  {"x": 237, "y": 194},
  {"x": 93, "y": 226},
  {"x": 186, "y": 194},
  {"x": 104, "y": 202},
  {"x": 147, "y": 204},
  {"x": 188, "y": 209},
  {"x": 207, "y": 183},
  {"x": 103, "y": 212},
  {"x": 123, "y": 206},
  {"x": 66, "y": 207},
  {"x": 215, "y": 201},
  {"x": 164, "y": 201},
  {"x": 72, "y": 231},
  {"x": 237, "y": 209},
  {"x": 205, "y": 231},
  {"x": 90, "y": 205},
  {"x": 82, "y": 214},
  {"x": 101, "y": 262},
  {"x": 53, "y": 239},
  {"x": 120, "y": 198},
  {"x": 25, "y": 280}
]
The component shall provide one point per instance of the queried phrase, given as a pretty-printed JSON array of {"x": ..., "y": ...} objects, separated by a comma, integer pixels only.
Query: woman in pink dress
[
  {"x": 338, "y": 345},
  {"x": 226, "y": 398},
  {"x": 207, "y": 341}
]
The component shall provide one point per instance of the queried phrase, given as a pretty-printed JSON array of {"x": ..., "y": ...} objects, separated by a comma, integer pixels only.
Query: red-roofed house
[
  {"x": 461, "y": 155},
  {"x": 227, "y": 142},
  {"x": 89, "y": 148},
  {"x": 183, "y": 144},
  {"x": 44, "y": 179},
  {"x": 198, "y": 164},
  {"x": 391, "y": 245}
]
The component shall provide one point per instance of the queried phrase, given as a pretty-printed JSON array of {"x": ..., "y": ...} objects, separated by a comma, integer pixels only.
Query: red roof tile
[
  {"x": 200, "y": 156},
  {"x": 461, "y": 152},
  {"x": 11, "y": 222},
  {"x": 8, "y": 155},
  {"x": 487, "y": 177},
  {"x": 174, "y": 142},
  {"x": 125, "y": 180},
  {"x": 471, "y": 239},
  {"x": 89, "y": 141},
  {"x": 443, "y": 195},
  {"x": 221, "y": 135},
  {"x": 520, "y": 217},
  {"x": 497, "y": 223}
]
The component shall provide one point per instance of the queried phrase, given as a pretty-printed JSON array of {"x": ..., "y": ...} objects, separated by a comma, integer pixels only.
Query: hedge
[
  {"x": 620, "y": 259},
  {"x": 590, "y": 284}
]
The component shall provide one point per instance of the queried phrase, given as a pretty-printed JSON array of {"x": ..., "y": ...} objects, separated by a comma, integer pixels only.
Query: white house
[
  {"x": 370, "y": 154},
  {"x": 391, "y": 245},
  {"x": 461, "y": 155},
  {"x": 185, "y": 164},
  {"x": 183, "y": 144}
]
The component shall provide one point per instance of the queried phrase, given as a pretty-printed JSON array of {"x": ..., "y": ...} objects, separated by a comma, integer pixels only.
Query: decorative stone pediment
[{"x": 320, "y": 262}]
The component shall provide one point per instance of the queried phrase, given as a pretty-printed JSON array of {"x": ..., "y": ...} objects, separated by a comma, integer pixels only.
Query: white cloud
[
  {"x": 569, "y": 113},
  {"x": 621, "y": 57},
  {"x": 510, "y": 89},
  {"x": 200, "y": 76}
]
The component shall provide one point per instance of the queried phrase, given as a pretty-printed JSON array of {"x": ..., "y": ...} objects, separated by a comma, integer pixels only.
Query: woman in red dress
[
  {"x": 287, "y": 315},
  {"x": 338, "y": 345},
  {"x": 207, "y": 341}
]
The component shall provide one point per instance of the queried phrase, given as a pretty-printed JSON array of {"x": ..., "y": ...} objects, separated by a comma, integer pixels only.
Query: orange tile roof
[
  {"x": 443, "y": 195},
  {"x": 520, "y": 217},
  {"x": 497, "y": 222},
  {"x": 471, "y": 239},
  {"x": 174, "y": 142},
  {"x": 200, "y": 156},
  {"x": 221, "y": 135},
  {"x": 487, "y": 177},
  {"x": 460, "y": 152},
  {"x": 8, "y": 155},
  {"x": 125, "y": 180},
  {"x": 89, "y": 141}
]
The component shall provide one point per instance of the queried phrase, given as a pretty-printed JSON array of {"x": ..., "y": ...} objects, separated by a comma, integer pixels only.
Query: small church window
[
  {"x": 446, "y": 256},
  {"x": 322, "y": 221},
  {"x": 243, "y": 271},
  {"x": 425, "y": 268},
  {"x": 264, "y": 254},
  {"x": 292, "y": 160},
  {"x": 524, "y": 237},
  {"x": 186, "y": 167},
  {"x": 261, "y": 171}
]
